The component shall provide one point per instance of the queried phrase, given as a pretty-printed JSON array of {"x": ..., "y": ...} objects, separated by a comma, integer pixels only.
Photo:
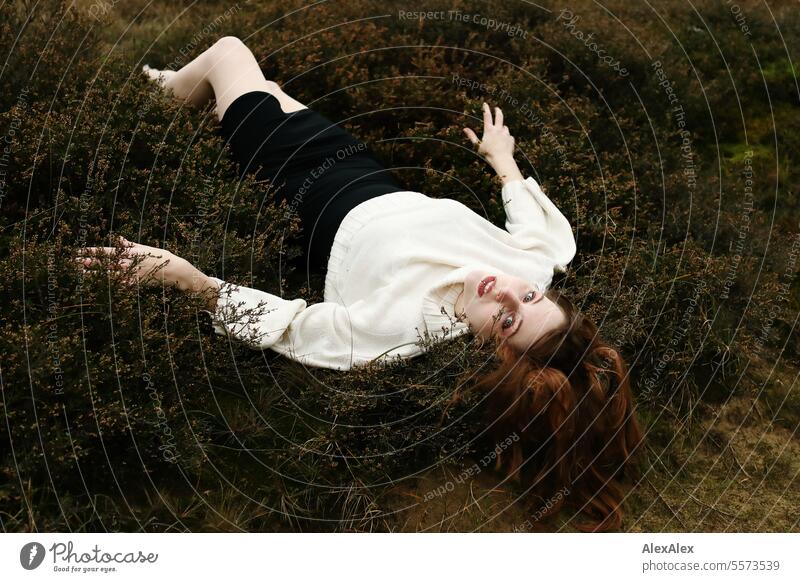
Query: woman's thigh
[{"x": 233, "y": 71}]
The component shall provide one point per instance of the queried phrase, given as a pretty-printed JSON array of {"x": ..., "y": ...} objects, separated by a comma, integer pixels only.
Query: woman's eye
[
  {"x": 531, "y": 294},
  {"x": 508, "y": 322}
]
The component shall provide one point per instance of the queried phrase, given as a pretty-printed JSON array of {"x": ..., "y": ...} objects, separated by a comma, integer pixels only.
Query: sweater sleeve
[
  {"x": 325, "y": 335},
  {"x": 536, "y": 223}
]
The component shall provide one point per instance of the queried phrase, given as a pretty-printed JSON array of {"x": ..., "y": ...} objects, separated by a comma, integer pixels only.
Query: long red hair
[{"x": 567, "y": 402}]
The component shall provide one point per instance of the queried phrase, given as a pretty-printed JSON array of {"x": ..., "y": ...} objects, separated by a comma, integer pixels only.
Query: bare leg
[
  {"x": 187, "y": 84},
  {"x": 224, "y": 71}
]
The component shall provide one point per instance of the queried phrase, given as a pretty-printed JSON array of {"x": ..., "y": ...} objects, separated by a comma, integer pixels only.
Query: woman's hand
[
  {"x": 150, "y": 266},
  {"x": 497, "y": 141},
  {"x": 496, "y": 145}
]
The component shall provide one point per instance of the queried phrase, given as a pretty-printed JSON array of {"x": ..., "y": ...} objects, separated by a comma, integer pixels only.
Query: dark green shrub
[{"x": 123, "y": 411}]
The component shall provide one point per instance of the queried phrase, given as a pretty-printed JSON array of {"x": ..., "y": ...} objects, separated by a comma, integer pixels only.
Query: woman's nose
[{"x": 506, "y": 296}]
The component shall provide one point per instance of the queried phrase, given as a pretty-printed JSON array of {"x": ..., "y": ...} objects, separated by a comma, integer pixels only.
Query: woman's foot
[
  {"x": 160, "y": 77},
  {"x": 183, "y": 85}
]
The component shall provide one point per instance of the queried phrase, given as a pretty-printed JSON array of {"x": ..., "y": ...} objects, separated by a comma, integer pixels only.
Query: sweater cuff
[
  {"x": 525, "y": 202},
  {"x": 254, "y": 317}
]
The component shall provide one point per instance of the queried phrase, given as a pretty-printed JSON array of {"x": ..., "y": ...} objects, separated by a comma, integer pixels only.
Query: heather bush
[{"x": 123, "y": 411}]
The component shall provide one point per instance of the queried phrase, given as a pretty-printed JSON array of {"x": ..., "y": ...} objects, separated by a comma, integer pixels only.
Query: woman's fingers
[
  {"x": 471, "y": 135},
  {"x": 145, "y": 270},
  {"x": 488, "y": 123},
  {"x": 91, "y": 256},
  {"x": 129, "y": 249},
  {"x": 135, "y": 262},
  {"x": 96, "y": 256},
  {"x": 99, "y": 250},
  {"x": 95, "y": 261},
  {"x": 487, "y": 117}
]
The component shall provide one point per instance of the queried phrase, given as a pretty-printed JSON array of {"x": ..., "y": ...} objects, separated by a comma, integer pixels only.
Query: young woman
[{"x": 402, "y": 266}]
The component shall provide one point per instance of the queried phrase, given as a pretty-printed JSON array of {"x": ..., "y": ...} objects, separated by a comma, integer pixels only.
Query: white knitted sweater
[{"x": 396, "y": 267}]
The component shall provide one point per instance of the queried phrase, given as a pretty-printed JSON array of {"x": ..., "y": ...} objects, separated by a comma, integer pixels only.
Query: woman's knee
[
  {"x": 232, "y": 46},
  {"x": 231, "y": 63}
]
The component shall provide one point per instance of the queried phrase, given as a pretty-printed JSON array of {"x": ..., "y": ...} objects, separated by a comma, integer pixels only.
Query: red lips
[{"x": 484, "y": 283}]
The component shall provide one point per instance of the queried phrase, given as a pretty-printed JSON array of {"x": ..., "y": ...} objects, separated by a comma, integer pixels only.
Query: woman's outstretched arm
[
  {"x": 325, "y": 335},
  {"x": 531, "y": 217}
]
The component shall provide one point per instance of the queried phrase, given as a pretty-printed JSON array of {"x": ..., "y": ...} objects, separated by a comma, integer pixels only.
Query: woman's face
[{"x": 497, "y": 304}]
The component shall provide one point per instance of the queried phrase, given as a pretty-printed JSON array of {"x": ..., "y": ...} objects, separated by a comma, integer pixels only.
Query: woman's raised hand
[
  {"x": 146, "y": 264},
  {"x": 497, "y": 143}
]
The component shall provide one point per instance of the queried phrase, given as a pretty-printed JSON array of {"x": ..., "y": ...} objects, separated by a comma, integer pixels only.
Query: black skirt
[{"x": 319, "y": 168}]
